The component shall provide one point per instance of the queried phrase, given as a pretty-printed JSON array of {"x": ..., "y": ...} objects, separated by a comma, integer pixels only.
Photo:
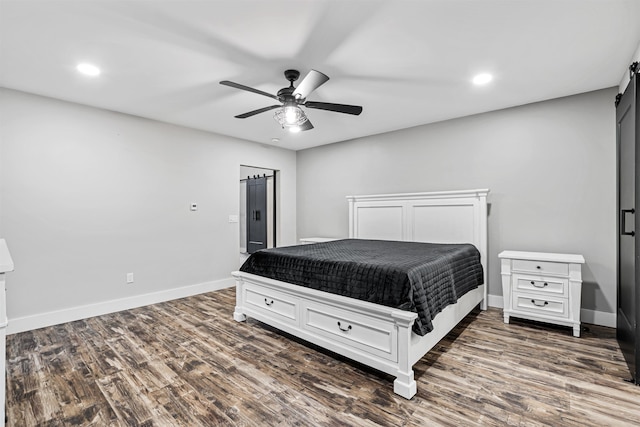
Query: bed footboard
[{"x": 375, "y": 335}]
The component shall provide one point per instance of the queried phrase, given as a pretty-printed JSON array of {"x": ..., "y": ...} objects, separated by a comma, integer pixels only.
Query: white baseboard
[
  {"x": 36, "y": 321},
  {"x": 601, "y": 318},
  {"x": 495, "y": 301}
]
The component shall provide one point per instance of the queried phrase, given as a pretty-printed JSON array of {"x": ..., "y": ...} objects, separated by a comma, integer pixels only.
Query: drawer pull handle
[
  {"x": 538, "y": 267},
  {"x": 539, "y": 305},
  {"x": 343, "y": 329},
  {"x": 267, "y": 302},
  {"x": 544, "y": 285}
]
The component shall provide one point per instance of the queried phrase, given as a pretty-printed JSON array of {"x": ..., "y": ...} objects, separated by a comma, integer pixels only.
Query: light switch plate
[{"x": 233, "y": 218}]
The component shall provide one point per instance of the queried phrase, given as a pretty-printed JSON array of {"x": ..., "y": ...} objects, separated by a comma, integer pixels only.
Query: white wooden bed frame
[{"x": 376, "y": 335}]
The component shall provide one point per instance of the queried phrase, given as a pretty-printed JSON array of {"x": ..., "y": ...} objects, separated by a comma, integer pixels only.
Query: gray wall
[
  {"x": 90, "y": 195},
  {"x": 550, "y": 167}
]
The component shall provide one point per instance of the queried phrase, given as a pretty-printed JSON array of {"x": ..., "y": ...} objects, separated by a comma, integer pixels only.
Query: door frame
[{"x": 273, "y": 198}]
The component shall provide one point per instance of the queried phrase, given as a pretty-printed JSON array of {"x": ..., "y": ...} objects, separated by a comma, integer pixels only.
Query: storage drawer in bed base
[{"x": 369, "y": 335}]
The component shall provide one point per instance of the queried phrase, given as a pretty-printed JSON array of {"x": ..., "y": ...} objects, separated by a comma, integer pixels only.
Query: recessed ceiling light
[
  {"x": 275, "y": 140},
  {"x": 88, "y": 69},
  {"x": 482, "y": 79}
]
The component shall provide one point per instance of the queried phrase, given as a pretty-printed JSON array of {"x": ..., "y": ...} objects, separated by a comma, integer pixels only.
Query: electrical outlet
[{"x": 129, "y": 277}]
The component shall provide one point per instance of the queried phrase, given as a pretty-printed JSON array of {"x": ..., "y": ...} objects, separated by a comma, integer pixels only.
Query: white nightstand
[
  {"x": 310, "y": 240},
  {"x": 542, "y": 286}
]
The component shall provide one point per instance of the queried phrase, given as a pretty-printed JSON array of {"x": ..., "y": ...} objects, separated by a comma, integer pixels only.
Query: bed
[{"x": 376, "y": 335}]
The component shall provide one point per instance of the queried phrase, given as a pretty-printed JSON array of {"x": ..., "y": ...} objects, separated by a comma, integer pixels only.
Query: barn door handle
[
  {"x": 257, "y": 216},
  {"x": 623, "y": 225}
]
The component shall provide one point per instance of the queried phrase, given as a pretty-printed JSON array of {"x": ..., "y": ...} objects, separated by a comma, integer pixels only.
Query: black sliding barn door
[
  {"x": 256, "y": 214},
  {"x": 628, "y": 305}
]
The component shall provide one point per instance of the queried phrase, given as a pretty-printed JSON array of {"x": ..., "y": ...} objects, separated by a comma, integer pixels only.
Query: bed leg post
[
  {"x": 484, "y": 304},
  {"x": 238, "y": 315},
  {"x": 404, "y": 384}
]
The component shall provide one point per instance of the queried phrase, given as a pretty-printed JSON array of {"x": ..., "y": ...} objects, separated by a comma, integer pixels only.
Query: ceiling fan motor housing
[{"x": 285, "y": 94}]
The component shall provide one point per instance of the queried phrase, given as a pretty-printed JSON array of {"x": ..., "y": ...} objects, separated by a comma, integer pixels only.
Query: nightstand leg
[
  {"x": 506, "y": 318},
  {"x": 576, "y": 330}
]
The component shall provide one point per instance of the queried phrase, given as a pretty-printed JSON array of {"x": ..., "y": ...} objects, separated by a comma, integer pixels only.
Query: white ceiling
[{"x": 406, "y": 62}]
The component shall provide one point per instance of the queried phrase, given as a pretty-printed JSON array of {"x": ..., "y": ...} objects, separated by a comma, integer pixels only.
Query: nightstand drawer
[
  {"x": 537, "y": 304},
  {"x": 540, "y": 284},
  {"x": 541, "y": 267}
]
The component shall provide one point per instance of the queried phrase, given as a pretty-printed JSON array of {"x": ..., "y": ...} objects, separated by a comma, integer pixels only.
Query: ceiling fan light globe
[{"x": 291, "y": 114}]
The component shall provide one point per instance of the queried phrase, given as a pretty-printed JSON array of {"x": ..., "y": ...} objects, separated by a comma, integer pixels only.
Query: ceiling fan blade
[
  {"x": 339, "y": 108},
  {"x": 306, "y": 125},
  {"x": 247, "y": 88},
  {"x": 254, "y": 112},
  {"x": 312, "y": 81}
]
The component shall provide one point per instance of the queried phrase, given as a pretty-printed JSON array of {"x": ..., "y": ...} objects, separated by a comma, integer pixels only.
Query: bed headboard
[{"x": 437, "y": 217}]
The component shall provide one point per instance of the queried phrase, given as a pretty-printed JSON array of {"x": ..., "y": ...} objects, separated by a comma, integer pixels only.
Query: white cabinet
[{"x": 546, "y": 287}]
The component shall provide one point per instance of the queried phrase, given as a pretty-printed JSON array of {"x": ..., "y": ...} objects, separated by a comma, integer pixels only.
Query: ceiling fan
[{"x": 289, "y": 113}]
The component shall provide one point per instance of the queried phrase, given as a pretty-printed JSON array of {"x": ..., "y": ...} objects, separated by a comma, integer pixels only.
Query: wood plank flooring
[{"x": 188, "y": 363}]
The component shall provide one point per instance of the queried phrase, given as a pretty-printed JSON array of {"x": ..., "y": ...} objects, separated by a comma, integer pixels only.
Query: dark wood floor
[{"x": 187, "y": 363}]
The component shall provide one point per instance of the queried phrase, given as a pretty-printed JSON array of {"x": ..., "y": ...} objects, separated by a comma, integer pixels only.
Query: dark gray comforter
[{"x": 419, "y": 277}]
